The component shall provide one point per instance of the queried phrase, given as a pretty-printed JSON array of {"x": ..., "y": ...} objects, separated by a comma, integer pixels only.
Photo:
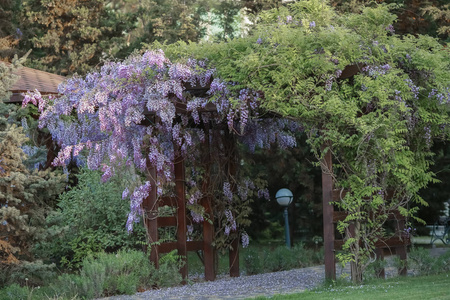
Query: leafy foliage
[
  {"x": 124, "y": 272},
  {"x": 90, "y": 219},
  {"x": 378, "y": 120},
  {"x": 25, "y": 196},
  {"x": 425, "y": 264},
  {"x": 70, "y": 36}
]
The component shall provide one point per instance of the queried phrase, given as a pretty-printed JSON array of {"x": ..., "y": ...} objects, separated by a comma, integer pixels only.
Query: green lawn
[{"x": 421, "y": 287}]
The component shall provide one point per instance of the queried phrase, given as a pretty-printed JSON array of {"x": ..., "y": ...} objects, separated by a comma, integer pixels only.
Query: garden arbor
[
  {"x": 369, "y": 99},
  {"x": 167, "y": 129},
  {"x": 377, "y": 125},
  {"x": 153, "y": 222}
]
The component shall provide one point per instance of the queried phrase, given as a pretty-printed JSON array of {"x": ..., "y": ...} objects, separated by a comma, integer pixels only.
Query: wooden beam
[
  {"x": 167, "y": 221},
  {"x": 234, "y": 258},
  {"x": 181, "y": 212},
  {"x": 400, "y": 250},
  {"x": 190, "y": 246},
  {"x": 328, "y": 209},
  {"x": 209, "y": 255},
  {"x": 150, "y": 206},
  {"x": 380, "y": 272}
]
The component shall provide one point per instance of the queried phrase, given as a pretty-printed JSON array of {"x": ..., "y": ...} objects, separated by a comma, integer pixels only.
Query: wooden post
[
  {"x": 328, "y": 226},
  {"x": 150, "y": 206},
  {"x": 208, "y": 228},
  {"x": 401, "y": 250},
  {"x": 230, "y": 146},
  {"x": 351, "y": 234},
  {"x": 208, "y": 236},
  {"x": 181, "y": 212}
]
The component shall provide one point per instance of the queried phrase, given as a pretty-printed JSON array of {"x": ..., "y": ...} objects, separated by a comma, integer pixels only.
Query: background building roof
[{"x": 31, "y": 79}]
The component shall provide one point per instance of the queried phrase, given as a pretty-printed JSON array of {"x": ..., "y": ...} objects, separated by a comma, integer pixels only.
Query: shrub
[
  {"x": 34, "y": 273},
  {"x": 14, "y": 292},
  {"x": 125, "y": 272},
  {"x": 91, "y": 219},
  {"x": 425, "y": 264},
  {"x": 254, "y": 261}
]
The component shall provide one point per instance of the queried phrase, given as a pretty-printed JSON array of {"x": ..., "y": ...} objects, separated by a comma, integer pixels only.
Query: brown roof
[{"x": 31, "y": 79}]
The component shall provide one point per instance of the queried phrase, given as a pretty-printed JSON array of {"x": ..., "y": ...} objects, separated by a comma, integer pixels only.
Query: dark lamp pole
[{"x": 284, "y": 198}]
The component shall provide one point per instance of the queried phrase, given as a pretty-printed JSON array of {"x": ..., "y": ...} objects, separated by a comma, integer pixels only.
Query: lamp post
[{"x": 284, "y": 198}]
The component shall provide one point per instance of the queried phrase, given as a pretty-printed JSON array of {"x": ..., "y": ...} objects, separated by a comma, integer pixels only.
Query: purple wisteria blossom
[
  {"x": 390, "y": 28},
  {"x": 127, "y": 116}
]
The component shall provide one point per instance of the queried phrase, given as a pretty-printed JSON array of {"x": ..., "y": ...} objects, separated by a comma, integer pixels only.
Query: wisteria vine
[{"x": 139, "y": 114}]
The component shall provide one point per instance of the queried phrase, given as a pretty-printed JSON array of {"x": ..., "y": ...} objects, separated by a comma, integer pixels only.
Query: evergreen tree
[
  {"x": 25, "y": 196},
  {"x": 10, "y": 34},
  {"x": 72, "y": 35}
]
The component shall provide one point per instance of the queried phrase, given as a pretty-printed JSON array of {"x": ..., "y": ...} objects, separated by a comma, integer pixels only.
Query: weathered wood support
[
  {"x": 328, "y": 209},
  {"x": 208, "y": 237},
  {"x": 150, "y": 206},
  {"x": 181, "y": 213},
  {"x": 209, "y": 255},
  {"x": 231, "y": 149},
  {"x": 179, "y": 220},
  {"x": 401, "y": 250},
  {"x": 398, "y": 242}
]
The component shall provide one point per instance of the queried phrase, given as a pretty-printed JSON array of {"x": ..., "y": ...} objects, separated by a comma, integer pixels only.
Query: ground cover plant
[{"x": 124, "y": 272}]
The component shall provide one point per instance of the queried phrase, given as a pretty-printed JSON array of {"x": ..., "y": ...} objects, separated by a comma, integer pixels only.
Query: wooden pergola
[
  {"x": 47, "y": 83},
  {"x": 179, "y": 220}
]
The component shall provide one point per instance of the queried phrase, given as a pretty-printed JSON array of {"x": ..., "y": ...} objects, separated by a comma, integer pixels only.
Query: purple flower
[
  {"x": 197, "y": 218},
  {"x": 125, "y": 193},
  {"x": 259, "y": 41},
  {"x": 227, "y": 191},
  {"x": 312, "y": 24},
  {"x": 18, "y": 33},
  {"x": 428, "y": 138},
  {"x": 288, "y": 19},
  {"x": 390, "y": 28},
  {"x": 245, "y": 240}
]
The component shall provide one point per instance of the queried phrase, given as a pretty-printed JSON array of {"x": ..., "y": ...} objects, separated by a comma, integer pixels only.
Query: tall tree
[
  {"x": 430, "y": 17},
  {"x": 10, "y": 33},
  {"x": 25, "y": 195},
  {"x": 71, "y": 36}
]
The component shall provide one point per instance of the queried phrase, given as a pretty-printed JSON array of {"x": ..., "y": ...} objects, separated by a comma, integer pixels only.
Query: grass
[{"x": 421, "y": 287}]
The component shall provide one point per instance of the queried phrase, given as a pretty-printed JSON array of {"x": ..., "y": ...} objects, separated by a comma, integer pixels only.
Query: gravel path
[{"x": 268, "y": 284}]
